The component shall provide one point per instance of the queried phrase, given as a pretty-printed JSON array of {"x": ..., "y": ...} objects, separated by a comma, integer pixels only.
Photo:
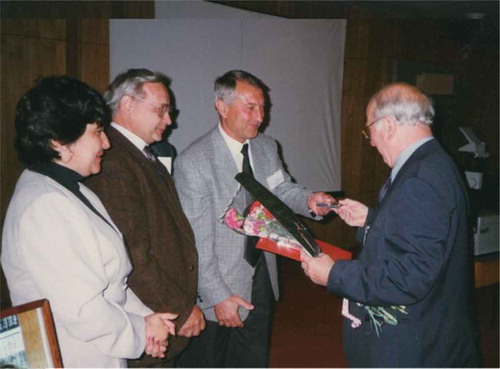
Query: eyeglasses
[
  {"x": 162, "y": 109},
  {"x": 365, "y": 132}
]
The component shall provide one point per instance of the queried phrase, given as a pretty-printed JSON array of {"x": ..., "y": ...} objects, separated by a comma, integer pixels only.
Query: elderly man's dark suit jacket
[
  {"x": 416, "y": 253},
  {"x": 143, "y": 203}
]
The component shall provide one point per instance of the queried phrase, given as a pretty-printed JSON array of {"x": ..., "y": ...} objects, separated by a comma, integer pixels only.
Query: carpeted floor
[{"x": 307, "y": 330}]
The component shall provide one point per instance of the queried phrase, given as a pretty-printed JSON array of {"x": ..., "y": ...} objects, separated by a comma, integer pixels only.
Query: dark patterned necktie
[
  {"x": 252, "y": 254},
  {"x": 149, "y": 153},
  {"x": 152, "y": 157},
  {"x": 384, "y": 189}
]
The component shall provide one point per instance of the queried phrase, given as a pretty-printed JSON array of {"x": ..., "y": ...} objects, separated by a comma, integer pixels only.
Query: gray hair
[
  {"x": 405, "y": 103},
  {"x": 130, "y": 83},
  {"x": 225, "y": 85}
]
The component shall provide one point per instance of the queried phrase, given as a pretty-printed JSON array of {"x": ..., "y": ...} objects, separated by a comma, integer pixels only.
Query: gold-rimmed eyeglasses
[
  {"x": 366, "y": 132},
  {"x": 161, "y": 109}
]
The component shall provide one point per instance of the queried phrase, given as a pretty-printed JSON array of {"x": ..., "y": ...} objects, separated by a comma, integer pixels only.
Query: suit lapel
[
  {"x": 226, "y": 169},
  {"x": 259, "y": 160},
  {"x": 406, "y": 169},
  {"x": 223, "y": 162},
  {"x": 140, "y": 158}
]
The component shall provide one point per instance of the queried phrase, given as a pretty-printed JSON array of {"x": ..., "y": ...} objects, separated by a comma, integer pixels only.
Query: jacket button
[{"x": 191, "y": 268}]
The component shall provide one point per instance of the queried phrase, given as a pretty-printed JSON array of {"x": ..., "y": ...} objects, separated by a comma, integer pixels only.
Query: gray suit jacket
[{"x": 204, "y": 176}]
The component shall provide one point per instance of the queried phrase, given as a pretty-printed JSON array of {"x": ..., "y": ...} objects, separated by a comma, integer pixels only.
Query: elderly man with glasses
[
  {"x": 140, "y": 195},
  {"x": 407, "y": 296}
]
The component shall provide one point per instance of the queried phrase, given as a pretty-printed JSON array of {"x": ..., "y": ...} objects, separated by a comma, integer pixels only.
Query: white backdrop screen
[{"x": 301, "y": 61}]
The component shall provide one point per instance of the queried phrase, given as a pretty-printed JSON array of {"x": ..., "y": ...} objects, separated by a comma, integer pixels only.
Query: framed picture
[{"x": 28, "y": 337}]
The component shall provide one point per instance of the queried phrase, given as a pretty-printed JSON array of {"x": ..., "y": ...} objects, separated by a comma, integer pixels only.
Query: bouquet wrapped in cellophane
[
  {"x": 274, "y": 237},
  {"x": 261, "y": 223}
]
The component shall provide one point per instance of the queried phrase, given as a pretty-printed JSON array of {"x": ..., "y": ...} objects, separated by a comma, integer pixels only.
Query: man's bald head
[
  {"x": 398, "y": 116},
  {"x": 405, "y": 103}
]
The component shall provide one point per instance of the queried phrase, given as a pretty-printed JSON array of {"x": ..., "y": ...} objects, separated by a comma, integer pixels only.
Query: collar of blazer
[
  {"x": 417, "y": 155},
  {"x": 223, "y": 161},
  {"x": 407, "y": 170}
]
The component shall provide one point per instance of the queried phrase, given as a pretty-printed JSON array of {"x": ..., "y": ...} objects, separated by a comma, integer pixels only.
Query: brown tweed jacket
[{"x": 144, "y": 204}]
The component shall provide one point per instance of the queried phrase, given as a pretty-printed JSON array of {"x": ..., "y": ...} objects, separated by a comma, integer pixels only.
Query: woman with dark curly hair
[{"x": 59, "y": 242}]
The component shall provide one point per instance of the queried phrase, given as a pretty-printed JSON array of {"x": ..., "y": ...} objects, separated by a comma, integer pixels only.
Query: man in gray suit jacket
[{"x": 236, "y": 297}]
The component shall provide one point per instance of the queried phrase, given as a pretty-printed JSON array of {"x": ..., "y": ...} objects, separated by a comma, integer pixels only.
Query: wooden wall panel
[
  {"x": 71, "y": 9},
  {"x": 37, "y": 28},
  {"x": 480, "y": 109},
  {"x": 23, "y": 60},
  {"x": 95, "y": 71},
  {"x": 94, "y": 31},
  {"x": 94, "y": 53},
  {"x": 35, "y": 48}
]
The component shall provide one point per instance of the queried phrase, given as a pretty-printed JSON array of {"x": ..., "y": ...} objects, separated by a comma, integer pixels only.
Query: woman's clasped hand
[{"x": 158, "y": 328}]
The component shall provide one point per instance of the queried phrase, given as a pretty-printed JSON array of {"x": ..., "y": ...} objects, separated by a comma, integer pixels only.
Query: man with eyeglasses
[
  {"x": 408, "y": 295},
  {"x": 141, "y": 198}
]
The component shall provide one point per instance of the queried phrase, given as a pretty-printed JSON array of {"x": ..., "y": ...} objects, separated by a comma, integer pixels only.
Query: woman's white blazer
[{"x": 55, "y": 247}]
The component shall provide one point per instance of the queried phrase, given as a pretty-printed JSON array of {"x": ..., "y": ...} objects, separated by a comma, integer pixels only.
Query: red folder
[{"x": 294, "y": 253}]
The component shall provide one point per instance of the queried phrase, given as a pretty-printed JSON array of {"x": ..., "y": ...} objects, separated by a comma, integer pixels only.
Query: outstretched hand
[
  {"x": 316, "y": 199},
  {"x": 352, "y": 212}
]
